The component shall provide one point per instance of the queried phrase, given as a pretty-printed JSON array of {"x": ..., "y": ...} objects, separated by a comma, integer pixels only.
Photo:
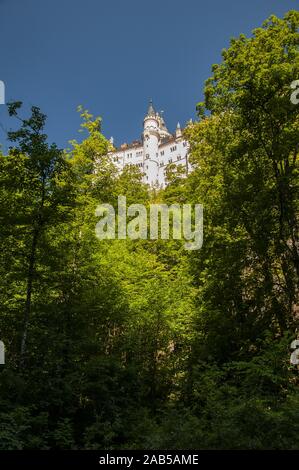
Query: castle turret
[
  {"x": 163, "y": 131},
  {"x": 151, "y": 144},
  {"x": 178, "y": 131}
]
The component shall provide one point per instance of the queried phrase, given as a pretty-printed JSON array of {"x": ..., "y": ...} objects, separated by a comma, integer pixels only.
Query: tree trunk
[
  {"x": 30, "y": 276},
  {"x": 27, "y": 311}
]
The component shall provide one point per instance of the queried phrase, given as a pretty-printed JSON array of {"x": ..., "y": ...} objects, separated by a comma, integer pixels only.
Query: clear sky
[{"x": 111, "y": 56}]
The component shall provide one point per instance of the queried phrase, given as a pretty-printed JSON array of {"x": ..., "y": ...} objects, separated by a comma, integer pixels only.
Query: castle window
[
  {"x": 179, "y": 157},
  {"x": 170, "y": 160},
  {"x": 162, "y": 152},
  {"x": 147, "y": 156}
]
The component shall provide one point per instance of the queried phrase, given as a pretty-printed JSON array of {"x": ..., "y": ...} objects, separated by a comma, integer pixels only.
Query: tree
[
  {"x": 245, "y": 152},
  {"x": 44, "y": 182}
]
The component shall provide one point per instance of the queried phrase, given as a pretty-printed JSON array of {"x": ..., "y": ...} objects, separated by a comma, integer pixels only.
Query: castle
[{"x": 156, "y": 149}]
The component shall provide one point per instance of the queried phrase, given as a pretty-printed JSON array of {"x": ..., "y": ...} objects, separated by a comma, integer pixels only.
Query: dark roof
[{"x": 125, "y": 146}]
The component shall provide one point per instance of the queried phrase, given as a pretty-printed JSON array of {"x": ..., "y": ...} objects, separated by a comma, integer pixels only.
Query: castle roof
[{"x": 151, "y": 110}]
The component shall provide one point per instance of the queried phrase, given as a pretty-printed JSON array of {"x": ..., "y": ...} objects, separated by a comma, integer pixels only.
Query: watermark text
[{"x": 158, "y": 221}]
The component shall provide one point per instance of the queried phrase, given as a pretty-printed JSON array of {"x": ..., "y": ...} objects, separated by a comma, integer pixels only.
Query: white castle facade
[{"x": 156, "y": 149}]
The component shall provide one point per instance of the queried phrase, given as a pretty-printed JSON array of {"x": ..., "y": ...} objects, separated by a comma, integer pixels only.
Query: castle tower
[
  {"x": 151, "y": 144},
  {"x": 178, "y": 131},
  {"x": 163, "y": 131}
]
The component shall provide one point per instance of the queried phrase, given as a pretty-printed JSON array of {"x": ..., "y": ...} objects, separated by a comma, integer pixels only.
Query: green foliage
[{"x": 118, "y": 344}]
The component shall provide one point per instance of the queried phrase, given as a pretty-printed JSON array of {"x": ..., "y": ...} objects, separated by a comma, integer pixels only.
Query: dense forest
[{"x": 142, "y": 344}]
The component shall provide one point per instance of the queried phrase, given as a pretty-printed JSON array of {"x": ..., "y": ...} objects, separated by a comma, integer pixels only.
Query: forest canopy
[{"x": 131, "y": 344}]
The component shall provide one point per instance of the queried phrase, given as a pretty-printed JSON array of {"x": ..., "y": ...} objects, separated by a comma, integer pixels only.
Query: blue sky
[{"x": 112, "y": 56}]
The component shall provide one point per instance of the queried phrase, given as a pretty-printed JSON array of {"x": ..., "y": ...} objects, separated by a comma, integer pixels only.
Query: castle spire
[
  {"x": 178, "y": 131},
  {"x": 151, "y": 111},
  {"x": 163, "y": 125}
]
